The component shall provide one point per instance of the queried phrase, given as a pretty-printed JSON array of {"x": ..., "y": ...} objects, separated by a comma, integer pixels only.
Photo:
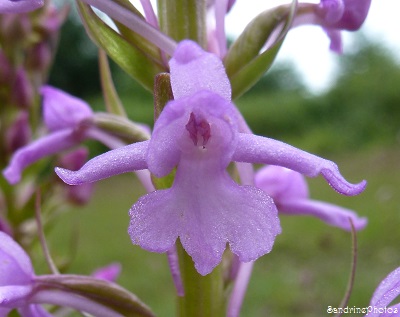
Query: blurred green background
[{"x": 355, "y": 123}]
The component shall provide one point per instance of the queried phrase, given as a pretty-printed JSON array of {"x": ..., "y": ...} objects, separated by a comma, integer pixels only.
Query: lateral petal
[
  {"x": 256, "y": 149},
  {"x": 121, "y": 160},
  {"x": 45, "y": 146}
]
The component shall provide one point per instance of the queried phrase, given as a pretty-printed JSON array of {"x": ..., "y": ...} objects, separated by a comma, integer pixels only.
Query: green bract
[
  {"x": 133, "y": 59},
  {"x": 244, "y": 63}
]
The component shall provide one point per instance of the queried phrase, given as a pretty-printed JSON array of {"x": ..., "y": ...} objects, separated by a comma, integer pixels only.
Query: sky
[{"x": 307, "y": 47}]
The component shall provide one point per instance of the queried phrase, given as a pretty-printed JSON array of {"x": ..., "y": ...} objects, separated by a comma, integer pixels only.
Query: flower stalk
[{"x": 204, "y": 295}]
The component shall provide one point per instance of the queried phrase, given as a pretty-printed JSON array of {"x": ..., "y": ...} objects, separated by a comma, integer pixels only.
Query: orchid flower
[
  {"x": 19, "y": 6},
  {"x": 289, "y": 191},
  {"x": 198, "y": 134},
  {"x": 16, "y": 274},
  {"x": 68, "y": 120},
  {"x": 21, "y": 289},
  {"x": 334, "y": 16},
  {"x": 385, "y": 293}
]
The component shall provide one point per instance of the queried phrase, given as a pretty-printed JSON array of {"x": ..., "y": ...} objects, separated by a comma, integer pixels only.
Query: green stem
[
  {"x": 184, "y": 19},
  {"x": 203, "y": 294}
]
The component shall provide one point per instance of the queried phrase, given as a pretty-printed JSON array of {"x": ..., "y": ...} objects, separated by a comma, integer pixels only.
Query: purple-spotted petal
[
  {"x": 206, "y": 214},
  {"x": 386, "y": 292},
  {"x": 255, "y": 149},
  {"x": 193, "y": 69},
  {"x": 122, "y": 160},
  {"x": 19, "y": 6},
  {"x": 62, "y": 110},
  {"x": 45, "y": 146},
  {"x": 331, "y": 214}
]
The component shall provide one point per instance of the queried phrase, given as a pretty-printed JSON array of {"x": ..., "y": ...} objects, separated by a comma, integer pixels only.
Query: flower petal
[
  {"x": 386, "y": 292},
  {"x": 34, "y": 311},
  {"x": 256, "y": 149},
  {"x": 62, "y": 110},
  {"x": 15, "y": 265},
  {"x": 14, "y": 295},
  {"x": 329, "y": 213},
  {"x": 354, "y": 15},
  {"x": 281, "y": 183},
  {"x": 335, "y": 36},
  {"x": 45, "y": 146},
  {"x": 122, "y": 160},
  {"x": 193, "y": 69},
  {"x": 171, "y": 135},
  {"x": 206, "y": 214},
  {"x": 19, "y": 6},
  {"x": 331, "y": 11}
]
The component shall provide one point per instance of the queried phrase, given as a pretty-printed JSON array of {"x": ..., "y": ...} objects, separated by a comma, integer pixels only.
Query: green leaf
[
  {"x": 113, "y": 103},
  {"x": 103, "y": 292},
  {"x": 141, "y": 43},
  {"x": 244, "y": 65},
  {"x": 128, "y": 57}
]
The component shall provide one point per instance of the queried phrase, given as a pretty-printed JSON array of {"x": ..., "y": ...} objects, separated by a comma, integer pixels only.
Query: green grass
[{"x": 307, "y": 269}]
